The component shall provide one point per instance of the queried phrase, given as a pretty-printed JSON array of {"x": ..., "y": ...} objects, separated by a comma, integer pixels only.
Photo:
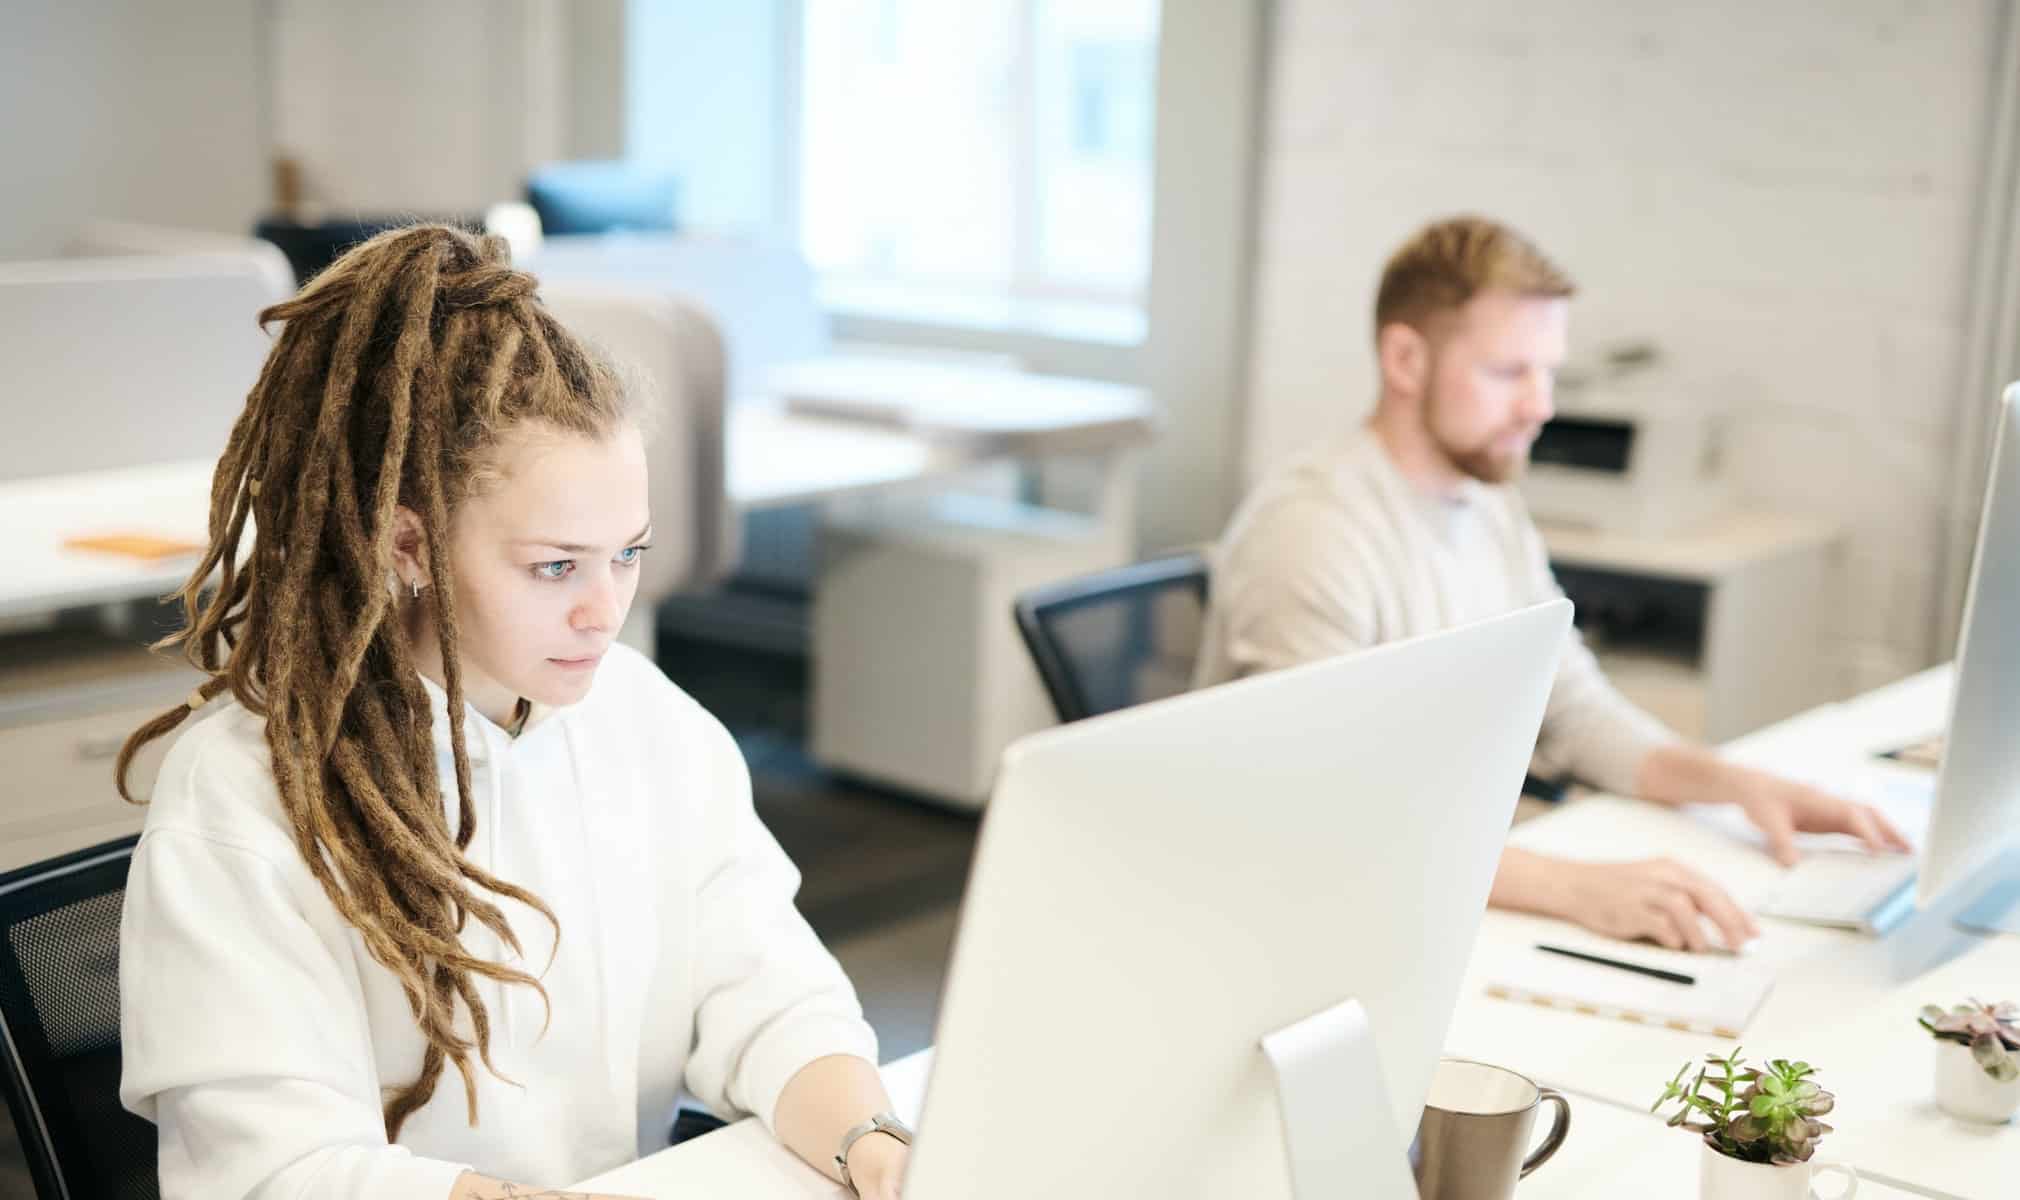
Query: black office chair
[
  {"x": 59, "y": 1027},
  {"x": 1115, "y": 638},
  {"x": 1125, "y": 636}
]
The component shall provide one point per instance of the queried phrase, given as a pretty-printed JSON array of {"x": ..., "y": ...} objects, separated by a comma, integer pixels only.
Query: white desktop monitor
[
  {"x": 1974, "y": 832},
  {"x": 1156, "y": 890}
]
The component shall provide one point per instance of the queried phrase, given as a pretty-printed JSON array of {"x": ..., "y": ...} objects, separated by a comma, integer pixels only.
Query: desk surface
[
  {"x": 1831, "y": 1006},
  {"x": 170, "y": 500},
  {"x": 1705, "y": 554}
]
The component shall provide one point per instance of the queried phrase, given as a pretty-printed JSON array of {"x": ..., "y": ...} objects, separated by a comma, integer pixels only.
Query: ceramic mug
[
  {"x": 1475, "y": 1131},
  {"x": 1722, "y": 1178}
]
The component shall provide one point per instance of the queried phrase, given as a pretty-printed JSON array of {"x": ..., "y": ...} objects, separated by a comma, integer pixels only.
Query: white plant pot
[
  {"x": 1966, "y": 1092},
  {"x": 1722, "y": 1178}
]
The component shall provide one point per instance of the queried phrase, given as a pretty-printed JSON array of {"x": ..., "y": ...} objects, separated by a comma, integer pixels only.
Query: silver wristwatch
[{"x": 883, "y": 1122}]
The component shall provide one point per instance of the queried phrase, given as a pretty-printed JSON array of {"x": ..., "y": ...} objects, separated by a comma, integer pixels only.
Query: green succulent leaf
[
  {"x": 1991, "y": 1054},
  {"x": 1754, "y": 1114}
]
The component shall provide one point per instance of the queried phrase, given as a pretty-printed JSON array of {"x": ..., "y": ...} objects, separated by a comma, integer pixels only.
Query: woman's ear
[
  {"x": 1405, "y": 359},
  {"x": 410, "y": 549}
]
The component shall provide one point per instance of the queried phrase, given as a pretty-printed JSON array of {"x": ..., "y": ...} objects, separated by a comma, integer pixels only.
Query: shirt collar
[{"x": 438, "y": 703}]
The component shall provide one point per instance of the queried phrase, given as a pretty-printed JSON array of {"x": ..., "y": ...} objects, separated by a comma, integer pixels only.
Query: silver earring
[{"x": 416, "y": 585}]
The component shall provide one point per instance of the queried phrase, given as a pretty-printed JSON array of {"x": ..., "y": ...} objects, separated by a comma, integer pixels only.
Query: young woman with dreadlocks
[{"x": 452, "y": 889}]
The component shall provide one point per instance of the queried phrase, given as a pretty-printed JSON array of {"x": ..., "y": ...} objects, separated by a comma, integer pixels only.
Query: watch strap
[{"x": 883, "y": 1122}]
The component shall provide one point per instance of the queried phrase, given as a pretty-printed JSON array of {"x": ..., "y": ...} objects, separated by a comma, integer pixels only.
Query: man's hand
[
  {"x": 1782, "y": 808},
  {"x": 1663, "y": 901},
  {"x": 877, "y": 1165}
]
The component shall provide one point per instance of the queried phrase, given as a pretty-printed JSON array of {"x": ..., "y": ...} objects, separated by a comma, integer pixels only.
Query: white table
[
  {"x": 1828, "y": 1007},
  {"x": 170, "y": 500}
]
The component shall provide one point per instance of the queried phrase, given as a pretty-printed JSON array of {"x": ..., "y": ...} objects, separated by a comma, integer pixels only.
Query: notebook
[{"x": 1726, "y": 994}]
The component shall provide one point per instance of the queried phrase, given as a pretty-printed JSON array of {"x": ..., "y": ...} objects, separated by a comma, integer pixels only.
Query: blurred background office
[{"x": 954, "y": 301}]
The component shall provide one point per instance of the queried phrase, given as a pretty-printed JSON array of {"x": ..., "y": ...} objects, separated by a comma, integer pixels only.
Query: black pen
[{"x": 1637, "y": 968}]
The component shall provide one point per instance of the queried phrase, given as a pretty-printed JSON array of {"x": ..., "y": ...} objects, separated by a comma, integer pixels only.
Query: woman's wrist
[{"x": 875, "y": 1160}]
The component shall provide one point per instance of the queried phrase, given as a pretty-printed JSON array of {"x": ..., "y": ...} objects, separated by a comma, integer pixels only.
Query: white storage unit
[
  {"x": 1744, "y": 590},
  {"x": 919, "y": 676},
  {"x": 67, "y": 704}
]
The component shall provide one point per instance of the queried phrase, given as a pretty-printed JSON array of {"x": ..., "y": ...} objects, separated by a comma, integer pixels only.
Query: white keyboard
[{"x": 1845, "y": 889}]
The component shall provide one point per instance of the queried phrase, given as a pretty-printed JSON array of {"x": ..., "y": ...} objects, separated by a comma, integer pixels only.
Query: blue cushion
[{"x": 598, "y": 197}]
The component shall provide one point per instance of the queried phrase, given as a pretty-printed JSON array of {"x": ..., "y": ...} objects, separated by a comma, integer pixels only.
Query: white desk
[
  {"x": 169, "y": 500},
  {"x": 1828, "y": 1007}
]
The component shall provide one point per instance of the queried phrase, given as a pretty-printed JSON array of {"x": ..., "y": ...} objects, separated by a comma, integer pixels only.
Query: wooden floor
[{"x": 882, "y": 874}]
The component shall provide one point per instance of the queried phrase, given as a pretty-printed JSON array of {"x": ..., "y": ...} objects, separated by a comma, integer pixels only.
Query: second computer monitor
[
  {"x": 1158, "y": 889},
  {"x": 1976, "y": 823}
]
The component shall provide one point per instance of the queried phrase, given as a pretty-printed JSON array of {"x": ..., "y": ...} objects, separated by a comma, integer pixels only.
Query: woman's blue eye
[
  {"x": 558, "y": 569},
  {"x": 629, "y": 556}
]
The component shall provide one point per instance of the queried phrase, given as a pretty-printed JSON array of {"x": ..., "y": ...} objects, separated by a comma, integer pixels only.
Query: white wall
[
  {"x": 1779, "y": 192},
  {"x": 130, "y": 109},
  {"x": 1211, "y": 67},
  {"x": 441, "y": 108}
]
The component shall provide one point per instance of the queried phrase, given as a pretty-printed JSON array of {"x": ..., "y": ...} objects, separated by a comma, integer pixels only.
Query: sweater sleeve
[
  {"x": 244, "y": 1039},
  {"x": 769, "y": 998},
  {"x": 1288, "y": 592},
  {"x": 1589, "y": 728}
]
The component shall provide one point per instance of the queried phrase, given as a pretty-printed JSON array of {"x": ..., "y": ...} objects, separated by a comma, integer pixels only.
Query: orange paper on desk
[{"x": 146, "y": 546}]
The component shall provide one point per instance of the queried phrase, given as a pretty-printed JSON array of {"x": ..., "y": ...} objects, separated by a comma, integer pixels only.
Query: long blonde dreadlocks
[{"x": 394, "y": 375}]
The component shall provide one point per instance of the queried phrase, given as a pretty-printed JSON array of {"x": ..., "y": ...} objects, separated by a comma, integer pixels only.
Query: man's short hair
[{"x": 1449, "y": 262}]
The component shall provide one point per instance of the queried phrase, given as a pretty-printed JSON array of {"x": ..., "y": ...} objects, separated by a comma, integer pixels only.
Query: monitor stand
[
  {"x": 1995, "y": 903},
  {"x": 1339, "y": 1135},
  {"x": 1987, "y": 901}
]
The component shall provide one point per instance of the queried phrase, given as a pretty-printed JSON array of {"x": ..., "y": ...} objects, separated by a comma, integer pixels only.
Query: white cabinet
[
  {"x": 1714, "y": 630},
  {"x": 67, "y": 705},
  {"x": 920, "y": 678}
]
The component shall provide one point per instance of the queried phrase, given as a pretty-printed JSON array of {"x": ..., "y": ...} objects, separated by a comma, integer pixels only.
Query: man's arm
[
  {"x": 1657, "y": 899},
  {"x": 1608, "y": 741},
  {"x": 1681, "y": 774}
]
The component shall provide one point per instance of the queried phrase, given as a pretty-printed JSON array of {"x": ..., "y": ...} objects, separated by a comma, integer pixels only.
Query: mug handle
[
  {"x": 1560, "y": 1125},
  {"x": 1851, "y": 1180}
]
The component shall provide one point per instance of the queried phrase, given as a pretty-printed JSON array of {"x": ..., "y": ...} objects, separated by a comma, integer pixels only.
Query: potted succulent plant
[
  {"x": 1977, "y": 1059},
  {"x": 1759, "y": 1124}
]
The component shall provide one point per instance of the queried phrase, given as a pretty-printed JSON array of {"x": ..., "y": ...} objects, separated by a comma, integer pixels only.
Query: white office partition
[{"x": 126, "y": 361}]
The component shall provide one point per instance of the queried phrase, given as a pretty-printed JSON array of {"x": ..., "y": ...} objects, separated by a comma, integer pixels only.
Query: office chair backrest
[
  {"x": 669, "y": 347},
  {"x": 1115, "y": 638},
  {"x": 59, "y": 1027}
]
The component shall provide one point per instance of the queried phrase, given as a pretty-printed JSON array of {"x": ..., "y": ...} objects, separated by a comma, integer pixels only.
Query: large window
[{"x": 981, "y": 148}]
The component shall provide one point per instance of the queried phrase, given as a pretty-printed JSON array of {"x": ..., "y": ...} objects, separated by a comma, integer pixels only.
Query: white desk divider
[{"x": 1339, "y": 1133}]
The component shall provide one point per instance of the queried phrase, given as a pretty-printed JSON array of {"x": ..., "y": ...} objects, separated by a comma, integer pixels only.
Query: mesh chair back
[
  {"x": 1116, "y": 638},
  {"x": 59, "y": 1027}
]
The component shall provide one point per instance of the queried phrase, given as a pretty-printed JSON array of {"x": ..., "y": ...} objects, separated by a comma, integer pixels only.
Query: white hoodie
[{"x": 261, "y": 1037}]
